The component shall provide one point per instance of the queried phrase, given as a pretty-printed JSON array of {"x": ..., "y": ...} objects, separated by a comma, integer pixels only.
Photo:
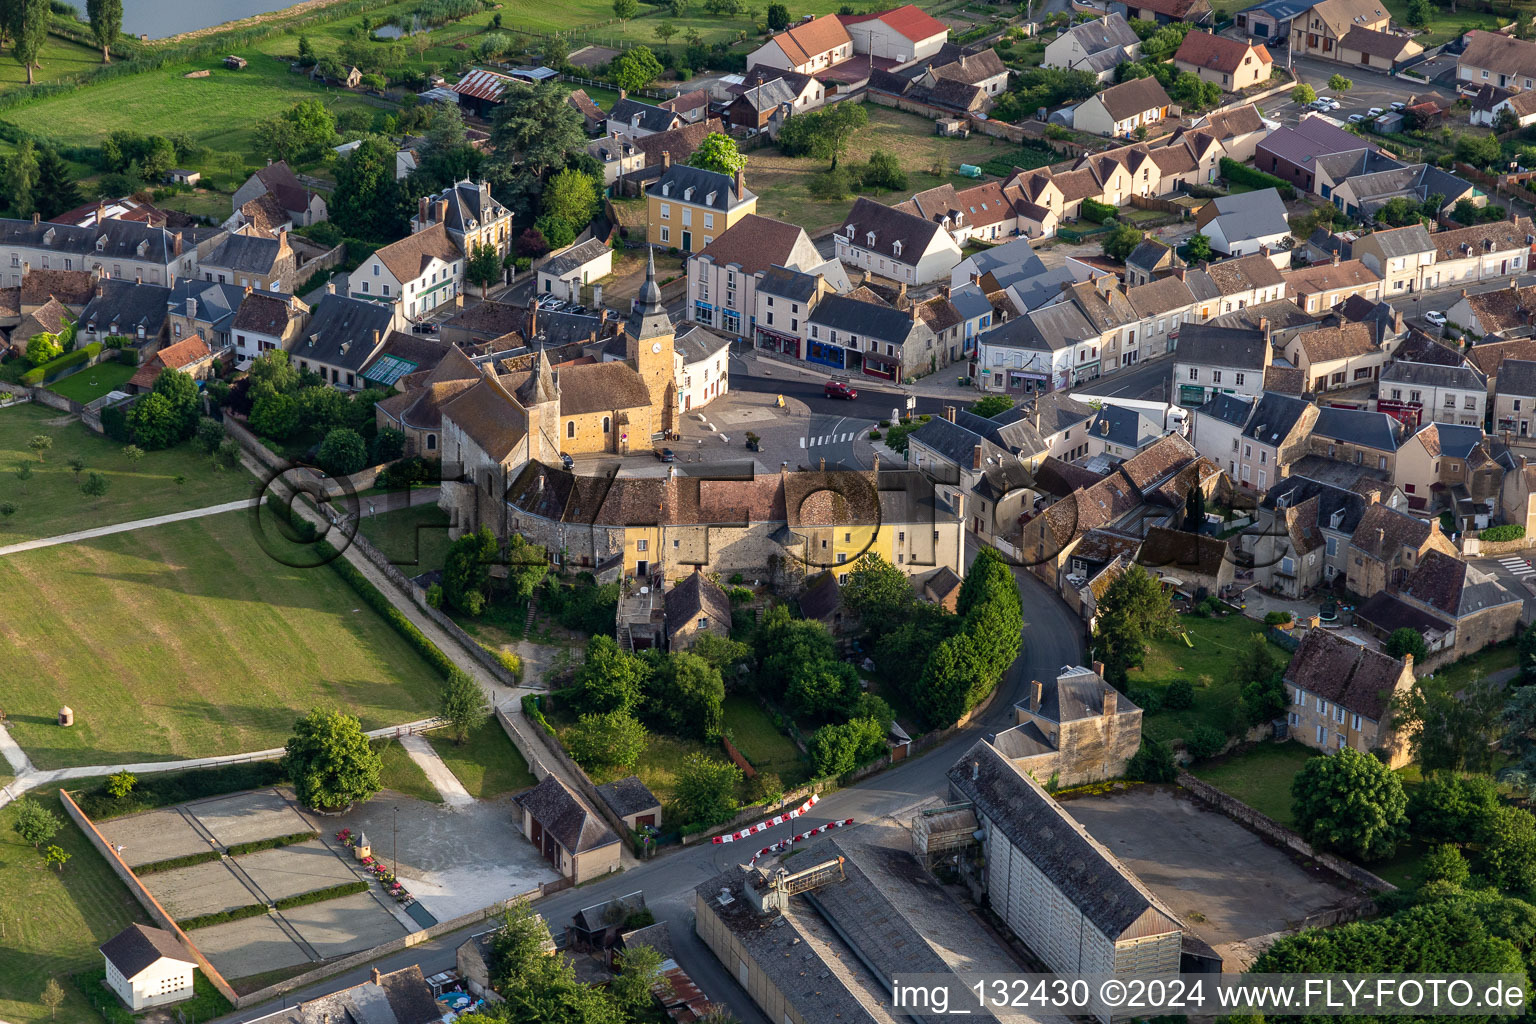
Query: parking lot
[{"x": 1228, "y": 886}]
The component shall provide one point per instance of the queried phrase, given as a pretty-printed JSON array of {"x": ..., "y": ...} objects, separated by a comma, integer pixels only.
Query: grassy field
[
  {"x": 50, "y": 921},
  {"x": 51, "y": 503},
  {"x": 186, "y": 640},
  {"x": 488, "y": 765},
  {"x": 783, "y": 183},
  {"x": 59, "y": 57},
  {"x": 1484, "y": 663},
  {"x": 769, "y": 750},
  {"x": 1216, "y": 644},
  {"x": 1260, "y": 777},
  {"x": 414, "y": 539},
  {"x": 1444, "y": 24},
  {"x": 402, "y": 774},
  {"x": 220, "y": 111},
  {"x": 199, "y": 203},
  {"x": 89, "y": 384}
]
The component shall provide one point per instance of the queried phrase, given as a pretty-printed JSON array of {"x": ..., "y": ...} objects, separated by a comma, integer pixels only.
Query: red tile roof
[{"x": 909, "y": 20}]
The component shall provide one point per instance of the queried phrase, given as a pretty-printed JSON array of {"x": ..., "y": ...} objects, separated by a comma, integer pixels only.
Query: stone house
[
  {"x": 1233, "y": 64},
  {"x": 189, "y": 355},
  {"x": 301, "y": 205},
  {"x": 1458, "y": 609},
  {"x": 1191, "y": 563},
  {"x": 1440, "y": 458},
  {"x": 1097, "y": 46},
  {"x": 124, "y": 309},
  {"x": 1257, "y": 440},
  {"x": 1338, "y": 358},
  {"x": 694, "y": 606},
  {"x": 253, "y": 261},
  {"x": 1517, "y": 496},
  {"x": 471, "y": 216},
  {"x": 341, "y": 339},
  {"x": 1399, "y": 256},
  {"x": 632, "y": 802},
  {"x": 1514, "y": 397},
  {"x": 1322, "y": 29},
  {"x": 569, "y": 835},
  {"x": 1301, "y": 535},
  {"x": 1073, "y": 729},
  {"x": 1499, "y": 313},
  {"x": 1432, "y": 392},
  {"x": 1319, "y": 289},
  {"x": 417, "y": 410},
  {"x": 1340, "y": 695},
  {"x": 1387, "y": 546}
]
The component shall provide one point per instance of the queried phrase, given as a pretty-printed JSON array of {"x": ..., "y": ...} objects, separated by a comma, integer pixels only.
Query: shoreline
[{"x": 303, "y": 7}]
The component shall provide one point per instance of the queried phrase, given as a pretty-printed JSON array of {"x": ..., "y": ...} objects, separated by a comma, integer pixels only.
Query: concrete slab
[
  {"x": 290, "y": 870},
  {"x": 1226, "y": 883},
  {"x": 452, "y": 860},
  {"x": 243, "y": 948},
  {"x": 200, "y": 889},
  {"x": 153, "y": 836},
  {"x": 347, "y": 925},
  {"x": 247, "y": 817}
]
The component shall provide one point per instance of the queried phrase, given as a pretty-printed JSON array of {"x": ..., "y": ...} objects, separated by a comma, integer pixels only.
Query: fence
[
  {"x": 1285, "y": 638},
  {"x": 1241, "y": 813}
]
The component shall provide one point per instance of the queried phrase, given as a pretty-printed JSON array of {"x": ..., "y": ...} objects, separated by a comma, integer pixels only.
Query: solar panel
[{"x": 389, "y": 369}]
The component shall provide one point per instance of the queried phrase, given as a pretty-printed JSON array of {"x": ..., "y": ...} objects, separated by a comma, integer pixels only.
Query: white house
[
  {"x": 722, "y": 278},
  {"x": 1211, "y": 360},
  {"x": 417, "y": 274},
  {"x": 701, "y": 364},
  {"x": 567, "y": 271},
  {"x": 148, "y": 967},
  {"x": 896, "y": 245},
  {"x": 1243, "y": 224},
  {"x": 905, "y": 34},
  {"x": 808, "y": 48},
  {"x": 1121, "y": 109}
]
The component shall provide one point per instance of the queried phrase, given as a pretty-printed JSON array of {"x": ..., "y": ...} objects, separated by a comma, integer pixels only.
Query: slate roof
[
  {"x": 1332, "y": 501},
  {"x": 1017, "y": 437},
  {"x": 1277, "y": 415},
  {"x": 1134, "y": 97},
  {"x": 697, "y": 595},
  {"x": 628, "y": 796},
  {"x": 244, "y": 254},
  {"x": 1107, "y": 894},
  {"x": 217, "y": 303},
  {"x": 1108, "y": 33},
  {"x": 139, "y": 946},
  {"x": 781, "y": 282},
  {"x": 1123, "y": 426},
  {"x": 645, "y": 116},
  {"x": 565, "y": 817},
  {"x": 1387, "y": 612},
  {"x": 112, "y": 240},
  {"x": 1077, "y": 694},
  {"x": 1433, "y": 375},
  {"x": 1205, "y": 345},
  {"x": 890, "y": 226},
  {"x": 128, "y": 306},
  {"x": 1516, "y": 377},
  {"x": 1357, "y": 426},
  {"x": 1357, "y": 678},
  {"x": 1311, "y": 137},
  {"x": 1406, "y": 241},
  {"x": 573, "y": 258},
  {"x": 1056, "y": 410},
  {"x": 341, "y": 332},
  {"x": 1230, "y": 409},
  {"x": 866, "y": 319},
  {"x": 769, "y": 95},
  {"x": 710, "y": 188}
]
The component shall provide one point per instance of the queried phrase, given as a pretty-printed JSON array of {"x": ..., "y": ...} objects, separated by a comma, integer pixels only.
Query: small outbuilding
[
  {"x": 148, "y": 967},
  {"x": 235, "y": 63},
  {"x": 182, "y": 176},
  {"x": 696, "y": 605},
  {"x": 631, "y": 802},
  {"x": 565, "y": 273},
  {"x": 570, "y": 836}
]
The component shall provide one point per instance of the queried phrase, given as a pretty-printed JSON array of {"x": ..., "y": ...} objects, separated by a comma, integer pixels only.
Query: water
[{"x": 160, "y": 18}]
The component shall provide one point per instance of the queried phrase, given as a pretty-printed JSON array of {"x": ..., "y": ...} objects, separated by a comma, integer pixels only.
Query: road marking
[
  {"x": 1517, "y": 566},
  {"x": 802, "y": 442}
]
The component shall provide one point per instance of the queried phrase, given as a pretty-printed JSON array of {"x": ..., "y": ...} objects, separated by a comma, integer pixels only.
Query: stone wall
[{"x": 556, "y": 754}]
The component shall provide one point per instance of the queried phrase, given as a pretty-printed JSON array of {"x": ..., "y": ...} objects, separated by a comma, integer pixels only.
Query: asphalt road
[
  {"x": 1053, "y": 637},
  {"x": 1148, "y": 381}
]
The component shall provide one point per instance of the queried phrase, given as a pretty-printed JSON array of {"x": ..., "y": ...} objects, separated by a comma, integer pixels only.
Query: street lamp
[{"x": 395, "y": 843}]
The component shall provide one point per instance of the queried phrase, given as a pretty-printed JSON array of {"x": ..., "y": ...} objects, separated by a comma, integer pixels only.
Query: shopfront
[
  {"x": 771, "y": 341},
  {"x": 826, "y": 354}
]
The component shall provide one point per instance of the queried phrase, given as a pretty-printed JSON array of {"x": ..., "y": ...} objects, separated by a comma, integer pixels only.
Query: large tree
[
  {"x": 1352, "y": 803},
  {"x": 29, "y": 32},
  {"x": 824, "y": 133},
  {"x": 705, "y": 789},
  {"x": 878, "y": 591},
  {"x": 330, "y": 762},
  {"x": 535, "y": 130},
  {"x": 687, "y": 696},
  {"x": 635, "y": 68},
  {"x": 21, "y": 178},
  {"x": 483, "y": 267},
  {"x": 56, "y": 191},
  {"x": 718, "y": 153},
  {"x": 572, "y": 196},
  {"x": 463, "y": 704},
  {"x": 467, "y": 570},
  {"x": 1133, "y": 610},
  {"x": 106, "y": 22},
  {"x": 367, "y": 202},
  {"x": 1449, "y": 728}
]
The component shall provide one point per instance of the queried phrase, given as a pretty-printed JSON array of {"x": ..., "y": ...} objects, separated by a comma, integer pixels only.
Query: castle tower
[
  {"x": 648, "y": 339},
  {"x": 539, "y": 395}
]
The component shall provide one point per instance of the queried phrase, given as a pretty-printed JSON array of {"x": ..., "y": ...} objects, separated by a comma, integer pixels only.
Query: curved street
[{"x": 1053, "y": 637}]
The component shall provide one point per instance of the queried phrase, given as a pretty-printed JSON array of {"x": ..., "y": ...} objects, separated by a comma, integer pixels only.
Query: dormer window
[
  {"x": 709, "y": 200},
  {"x": 870, "y": 237},
  {"x": 850, "y": 232},
  {"x": 143, "y": 248},
  {"x": 666, "y": 189},
  {"x": 896, "y": 247},
  {"x": 688, "y": 194},
  {"x": 101, "y": 244}
]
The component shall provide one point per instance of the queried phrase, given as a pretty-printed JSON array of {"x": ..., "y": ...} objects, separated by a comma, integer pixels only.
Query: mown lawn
[
  {"x": 1484, "y": 663},
  {"x": 201, "y": 202},
  {"x": 1217, "y": 643},
  {"x": 89, "y": 384},
  {"x": 1444, "y": 24},
  {"x": 59, "y": 57},
  {"x": 187, "y": 640},
  {"x": 50, "y": 503},
  {"x": 1260, "y": 777},
  {"x": 769, "y": 750},
  {"x": 402, "y": 774},
  {"x": 414, "y": 539},
  {"x": 487, "y": 765},
  {"x": 51, "y": 921}
]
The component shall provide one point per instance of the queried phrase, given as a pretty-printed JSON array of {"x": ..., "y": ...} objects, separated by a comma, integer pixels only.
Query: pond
[
  {"x": 393, "y": 31},
  {"x": 160, "y": 18}
]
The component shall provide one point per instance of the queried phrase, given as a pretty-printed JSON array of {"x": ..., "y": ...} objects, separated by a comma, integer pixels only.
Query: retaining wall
[
  {"x": 556, "y": 754},
  {"x": 1266, "y": 826},
  {"x": 151, "y": 905}
]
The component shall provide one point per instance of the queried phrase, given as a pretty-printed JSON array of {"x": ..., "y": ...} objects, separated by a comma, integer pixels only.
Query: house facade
[
  {"x": 1322, "y": 30},
  {"x": 896, "y": 245},
  {"x": 148, "y": 967},
  {"x": 688, "y": 208},
  {"x": 723, "y": 277},
  {"x": 413, "y": 276},
  {"x": 1120, "y": 109},
  {"x": 1341, "y": 694}
]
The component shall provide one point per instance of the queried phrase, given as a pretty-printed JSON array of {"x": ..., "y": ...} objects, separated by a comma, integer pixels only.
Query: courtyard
[{"x": 1228, "y": 886}]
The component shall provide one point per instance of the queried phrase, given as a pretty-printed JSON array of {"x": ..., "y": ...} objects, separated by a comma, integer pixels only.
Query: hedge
[
  {"x": 50, "y": 369},
  {"x": 533, "y": 713},
  {"x": 256, "y": 846},
  {"x": 179, "y": 788},
  {"x": 223, "y": 917},
  {"x": 1098, "y": 212},
  {"x": 303, "y": 899},
  {"x": 1242, "y": 174},
  {"x": 173, "y": 863},
  {"x": 1506, "y": 531}
]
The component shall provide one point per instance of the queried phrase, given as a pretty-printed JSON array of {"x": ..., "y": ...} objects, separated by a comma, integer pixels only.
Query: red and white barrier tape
[
  {"x": 785, "y": 844},
  {"x": 762, "y": 826}
]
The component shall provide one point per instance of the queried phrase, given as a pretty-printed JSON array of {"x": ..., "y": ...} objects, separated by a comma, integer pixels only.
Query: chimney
[
  {"x": 330, "y": 287},
  {"x": 533, "y": 318},
  {"x": 741, "y": 184},
  {"x": 1098, "y": 669},
  {"x": 1408, "y": 660},
  {"x": 99, "y": 288},
  {"x": 976, "y": 456},
  {"x": 442, "y": 212},
  {"x": 949, "y": 413},
  {"x": 1037, "y": 415},
  {"x": 623, "y": 93},
  {"x": 376, "y": 976},
  {"x": 35, "y": 217},
  {"x": 597, "y": 298},
  {"x": 666, "y": 157},
  {"x": 191, "y": 309},
  {"x": 1335, "y": 257},
  {"x": 915, "y": 310},
  {"x": 375, "y": 338},
  {"x": 101, "y": 211},
  {"x": 421, "y": 213},
  {"x": 1036, "y": 695},
  {"x": 282, "y": 239},
  {"x": 1111, "y": 701},
  {"x": 975, "y": 770},
  {"x": 823, "y": 464}
]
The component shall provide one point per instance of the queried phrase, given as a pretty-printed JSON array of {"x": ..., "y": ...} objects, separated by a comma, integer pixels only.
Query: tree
[
  {"x": 306, "y": 52},
  {"x": 1303, "y": 94},
  {"x": 35, "y": 823},
  {"x": 1122, "y": 241},
  {"x": 665, "y": 31},
  {"x": 1447, "y": 728},
  {"x": 991, "y": 405},
  {"x": 572, "y": 196},
  {"x": 778, "y": 17},
  {"x": 467, "y": 572},
  {"x": 29, "y": 30},
  {"x": 56, "y": 190},
  {"x": 639, "y": 973},
  {"x": 1261, "y": 683},
  {"x": 527, "y": 565},
  {"x": 625, "y": 9},
  {"x": 387, "y": 446},
  {"x": 635, "y": 68},
  {"x": 556, "y": 230},
  {"x": 367, "y": 202},
  {"x": 180, "y": 394},
  {"x": 343, "y": 452},
  {"x": 1446, "y": 864},
  {"x": 330, "y": 762},
  {"x": 106, "y": 18},
  {"x": 95, "y": 486},
  {"x": 836, "y": 749},
  {"x": 7, "y": 509},
  {"x": 718, "y": 153},
  {"x": 152, "y": 422},
  {"x": 273, "y": 414},
  {"x": 1419, "y": 13},
  {"x": 1133, "y": 610},
  {"x": 534, "y": 129},
  {"x": 56, "y": 855},
  {"x": 1350, "y": 802},
  {"x": 1448, "y": 807},
  {"x": 463, "y": 705},
  {"x": 274, "y": 370},
  {"x": 614, "y": 739},
  {"x": 822, "y": 689},
  {"x": 687, "y": 695},
  {"x": 1198, "y": 247},
  {"x": 1507, "y": 849},
  {"x": 43, "y": 347},
  {"x": 76, "y": 465},
  {"x": 23, "y": 474},
  {"x": 120, "y": 784},
  {"x": 53, "y": 994},
  {"x": 720, "y": 651},
  {"x": 1338, "y": 83},
  {"x": 884, "y": 171},
  {"x": 609, "y": 679},
  {"x": 1152, "y": 762},
  {"x": 133, "y": 453},
  {"x": 1526, "y": 647},
  {"x": 21, "y": 177},
  {"x": 878, "y": 591},
  {"x": 1406, "y": 640},
  {"x": 823, "y": 134},
  {"x": 705, "y": 791},
  {"x": 483, "y": 266}
]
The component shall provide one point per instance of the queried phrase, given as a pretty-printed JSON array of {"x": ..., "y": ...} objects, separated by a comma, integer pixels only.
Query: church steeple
[{"x": 648, "y": 317}]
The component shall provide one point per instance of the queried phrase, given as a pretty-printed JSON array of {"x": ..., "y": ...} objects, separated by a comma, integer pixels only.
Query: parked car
[
  {"x": 1333, "y": 104},
  {"x": 1321, "y": 103},
  {"x": 1398, "y": 105},
  {"x": 1356, "y": 118},
  {"x": 665, "y": 455},
  {"x": 1435, "y": 317},
  {"x": 1375, "y": 112},
  {"x": 567, "y": 461},
  {"x": 839, "y": 387}
]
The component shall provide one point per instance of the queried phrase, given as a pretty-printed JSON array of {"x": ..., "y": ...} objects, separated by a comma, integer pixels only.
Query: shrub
[
  {"x": 1446, "y": 864},
  {"x": 172, "y": 863},
  {"x": 52, "y": 368},
  {"x": 1276, "y": 618},
  {"x": 1504, "y": 531},
  {"x": 333, "y": 892},
  {"x": 1098, "y": 212},
  {"x": 533, "y": 713},
  {"x": 435, "y": 595},
  {"x": 223, "y": 917},
  {"x": 1204, "y": 741},
  {"x": 1150, "y": 701},
  {"x": 1179, "y": 696},
  {"x": 508, "y": 659},
  {"x": 1152, "y": 763},
  {"x": 1242, "y": 174},
  {"x": 178, "y": 788},
  {"x": 257, "y": 845}
]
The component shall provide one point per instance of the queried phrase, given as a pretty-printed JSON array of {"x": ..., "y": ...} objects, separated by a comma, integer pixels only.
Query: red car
[{"x": 838, "y": 387}]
